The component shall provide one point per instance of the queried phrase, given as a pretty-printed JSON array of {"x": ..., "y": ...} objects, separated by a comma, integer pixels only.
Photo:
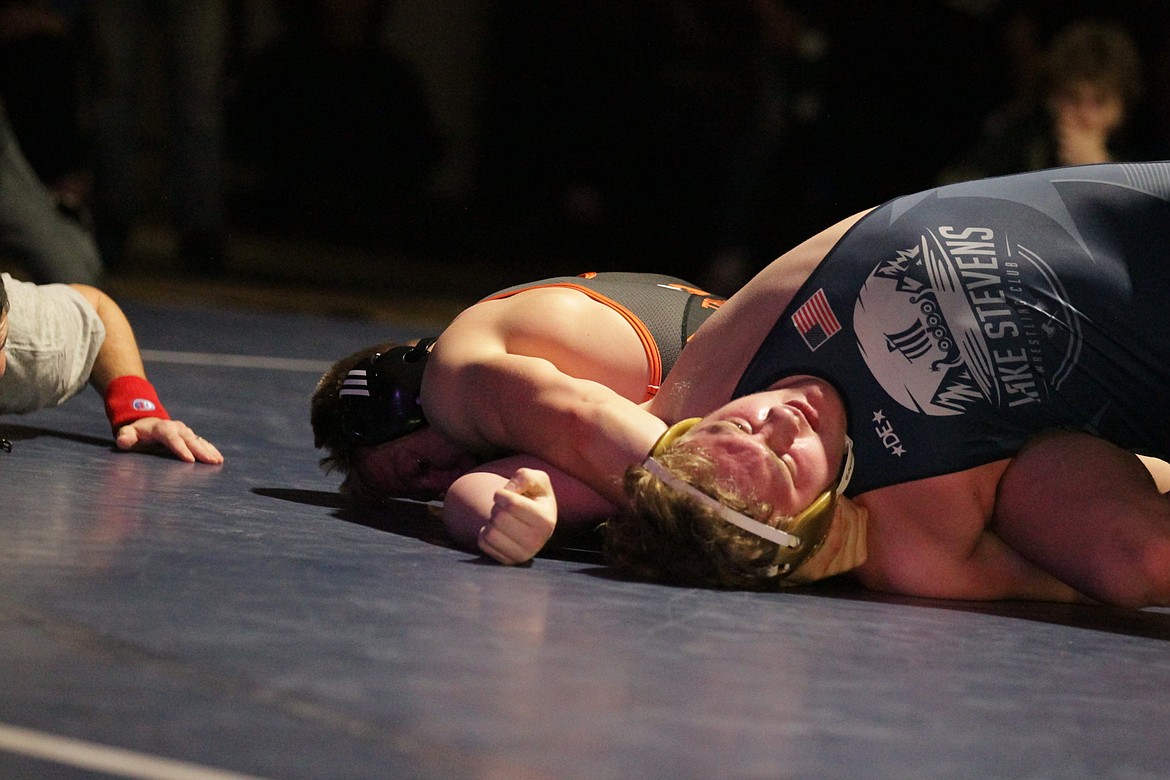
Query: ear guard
[
  {"x": 380, "y": 397},
  {"x": 806, "y": 530}
]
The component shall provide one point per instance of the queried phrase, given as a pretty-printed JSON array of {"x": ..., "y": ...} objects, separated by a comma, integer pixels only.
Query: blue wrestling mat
[{"x": 166, "y": 620}]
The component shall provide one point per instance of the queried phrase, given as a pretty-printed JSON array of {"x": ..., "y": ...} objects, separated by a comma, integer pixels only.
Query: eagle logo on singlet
[{"x": 962, "y": 320}]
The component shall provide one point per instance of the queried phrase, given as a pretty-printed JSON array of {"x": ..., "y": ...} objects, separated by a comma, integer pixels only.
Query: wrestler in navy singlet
[
  {"x": 670, "y": 310},
  {"x": 960, "y": 322}
]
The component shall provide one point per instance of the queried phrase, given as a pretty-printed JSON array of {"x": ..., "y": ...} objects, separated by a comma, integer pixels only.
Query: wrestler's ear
[{"x": 844, "y": 548}]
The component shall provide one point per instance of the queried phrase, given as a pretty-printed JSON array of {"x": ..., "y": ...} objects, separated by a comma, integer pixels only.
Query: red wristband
[{"x": 130, "y": 398}]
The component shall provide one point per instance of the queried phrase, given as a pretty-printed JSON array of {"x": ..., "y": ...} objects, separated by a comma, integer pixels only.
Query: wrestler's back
[
  {"x": 582, "y": 337},
  {"x": 709, "y": 369}
]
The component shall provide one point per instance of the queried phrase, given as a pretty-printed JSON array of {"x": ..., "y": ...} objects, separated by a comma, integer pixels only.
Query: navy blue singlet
[{"x": 959, "y": 322}]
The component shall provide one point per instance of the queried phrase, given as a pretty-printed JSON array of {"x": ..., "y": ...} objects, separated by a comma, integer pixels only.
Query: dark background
[{"x": 494, "y": 139}]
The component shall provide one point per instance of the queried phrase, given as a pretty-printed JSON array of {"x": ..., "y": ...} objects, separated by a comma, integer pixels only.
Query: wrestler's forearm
[
  {"x": 136, "y": 415},
  {"x": 1091, "y": 514},
  {"x": 526, "y": 405},
  {"x": 602, "y": 441},
  {"x": 119, "y": 354},
  {"x": 469, "y": 503}
]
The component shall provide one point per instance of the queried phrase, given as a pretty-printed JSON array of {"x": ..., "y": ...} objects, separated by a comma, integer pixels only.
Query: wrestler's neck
[{"x": 844, "y": 549}]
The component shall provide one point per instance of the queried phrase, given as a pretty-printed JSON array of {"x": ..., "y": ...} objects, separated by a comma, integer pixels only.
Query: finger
[
  {"x": 526, "y": 526},
  {"x": 530, "y": 482},
  {"x": 489, "y": 548},
  {"x": 520, "y": 509},
  {"x": 528, "y": 533},
  {"x": 169, "y": 435},
  {"x": 126, "y": 438},
  {"x": 174, "y": 436},
  {"x": 501, "y": 547},
  {"x": 204, "y": 451},
  {"x": 526, "y": 490},
  {"x": 178, "y": 447}
]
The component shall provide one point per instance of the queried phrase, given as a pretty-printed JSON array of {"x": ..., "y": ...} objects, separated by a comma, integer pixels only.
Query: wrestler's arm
[
  {"x": 930, "y": 538},
  {"x": 1092, "y": 514},
  {"x": 119, "y": 357},
  {"x": 524, "y": 404},
  {"x": 510, "y": 508},
  {"x": 986, "y": 570}
]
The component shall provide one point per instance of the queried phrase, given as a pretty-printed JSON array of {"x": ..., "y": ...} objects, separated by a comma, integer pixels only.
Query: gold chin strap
[
  {"x": 671, "y": 434},
  {"x": 806, "y": 530}
]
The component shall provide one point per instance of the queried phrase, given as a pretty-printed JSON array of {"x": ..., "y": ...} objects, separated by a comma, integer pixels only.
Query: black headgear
[{"x": 381, "y": 395}]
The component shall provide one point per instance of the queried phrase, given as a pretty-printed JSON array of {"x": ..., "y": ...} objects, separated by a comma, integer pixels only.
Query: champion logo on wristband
[{"x": 130, "y": 398}]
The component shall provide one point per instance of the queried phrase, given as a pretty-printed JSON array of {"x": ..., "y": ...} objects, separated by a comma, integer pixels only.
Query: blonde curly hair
[{"x": 670, "y": 537}]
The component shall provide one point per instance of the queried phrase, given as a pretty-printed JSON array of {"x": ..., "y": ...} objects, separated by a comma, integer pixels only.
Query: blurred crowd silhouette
[{"x": 695, "y": 137}]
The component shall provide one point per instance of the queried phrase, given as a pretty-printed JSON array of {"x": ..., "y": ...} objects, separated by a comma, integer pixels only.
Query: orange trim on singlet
[{"x": 649, "y": 345}]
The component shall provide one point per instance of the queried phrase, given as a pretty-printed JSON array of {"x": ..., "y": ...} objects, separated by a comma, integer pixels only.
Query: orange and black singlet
[{"x": 664, "y": 311}]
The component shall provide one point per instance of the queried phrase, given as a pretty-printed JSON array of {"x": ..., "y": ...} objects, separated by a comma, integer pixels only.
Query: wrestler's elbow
[{"x": 1140, "y": 577}]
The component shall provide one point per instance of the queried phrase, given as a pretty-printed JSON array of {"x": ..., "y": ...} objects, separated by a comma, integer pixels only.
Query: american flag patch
[{"x": 815, "y": 320}]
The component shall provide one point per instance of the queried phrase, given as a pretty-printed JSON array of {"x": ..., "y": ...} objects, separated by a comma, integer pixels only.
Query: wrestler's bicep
[{"x": 515, "y": 403}]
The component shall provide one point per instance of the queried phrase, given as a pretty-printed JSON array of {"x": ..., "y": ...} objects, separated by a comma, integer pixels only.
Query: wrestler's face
[
  {"x": 421, "y": 465},
  {"x": 782, "y": 446}
]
